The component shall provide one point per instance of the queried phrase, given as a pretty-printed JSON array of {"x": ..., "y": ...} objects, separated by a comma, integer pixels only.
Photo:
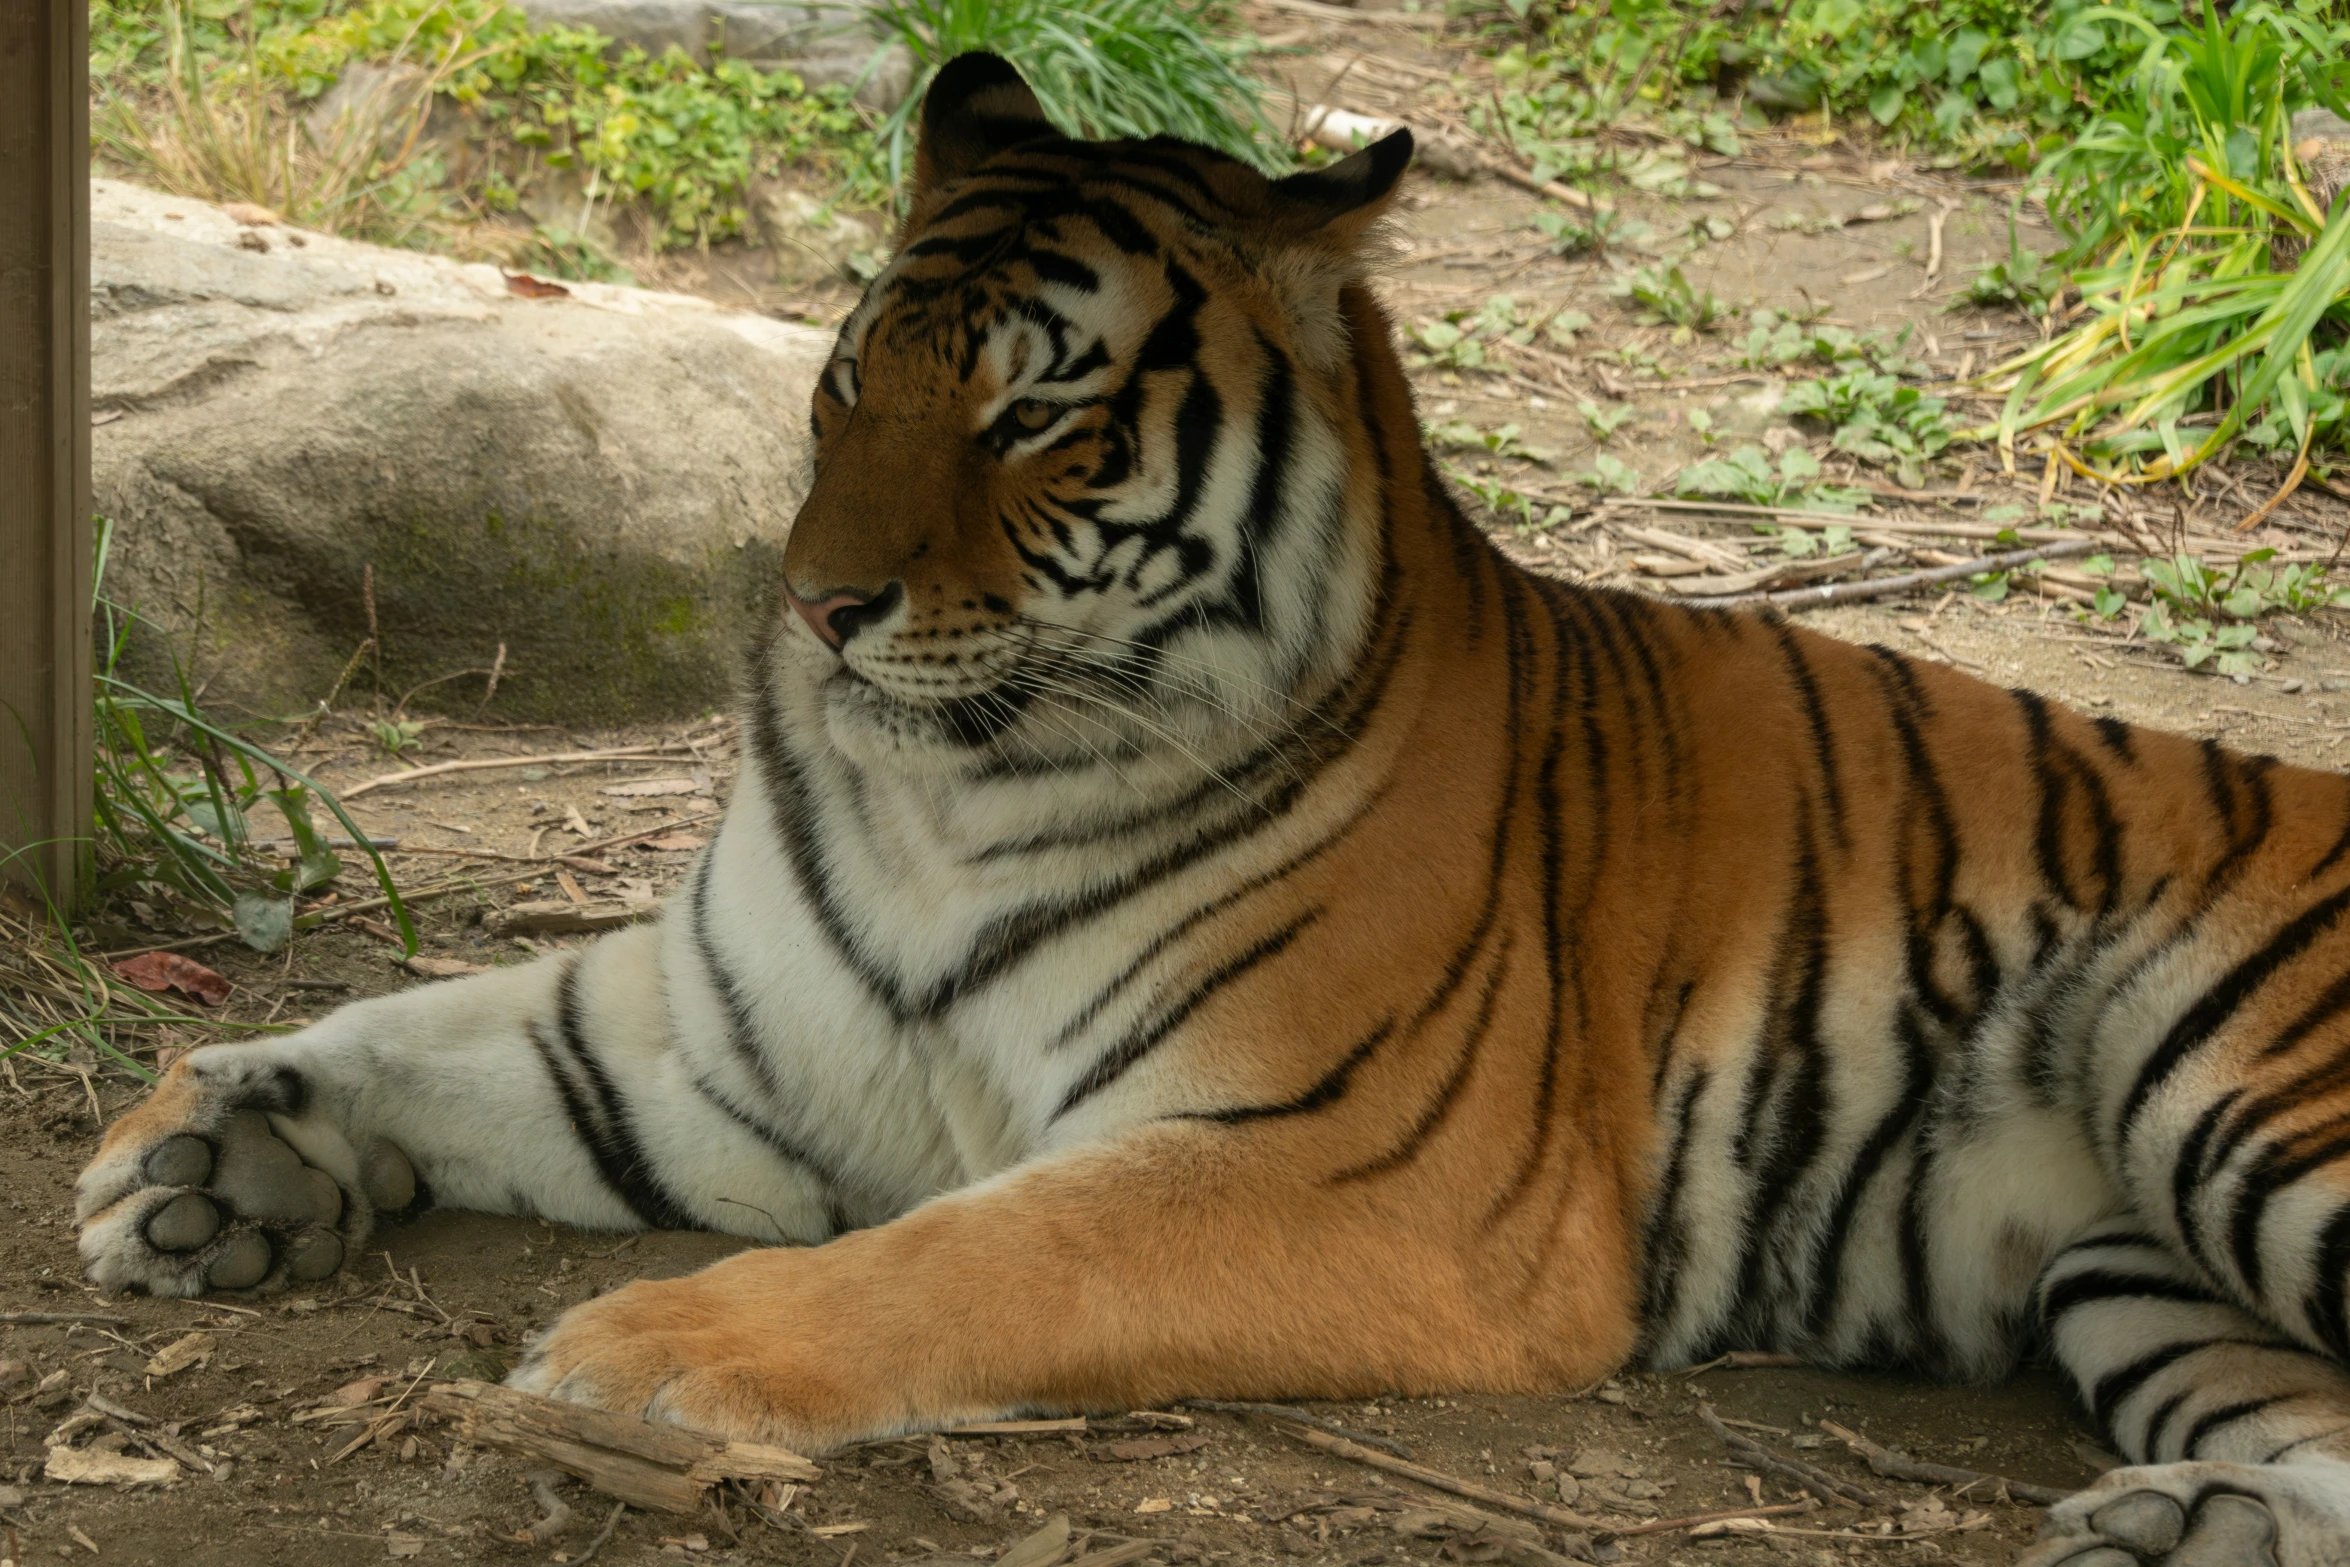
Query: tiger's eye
[{"x": 1033, "y": 413}]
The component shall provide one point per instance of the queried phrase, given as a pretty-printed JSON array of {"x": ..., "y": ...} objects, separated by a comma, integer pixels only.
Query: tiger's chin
[{"x": 876, "y": 728}]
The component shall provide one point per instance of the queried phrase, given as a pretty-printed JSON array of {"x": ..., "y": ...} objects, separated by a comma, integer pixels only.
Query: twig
[
  {"x": 1744, "y": 1360},
  {"x": 557, "y": 1521},
  {"x": 1881, "y": 587},
  {"x": 1819, "y": 1482},
  {"x": 602, "y": 1536},
  {"x": 34, "y": 1319},
  {"x": 1441, "y": 1481},
  {"x": 1809, "y": 1504},
  {"x": 1897, "y": 1465},
  {"x": 1847, "y": 518},
  {"x": 1285, "y": 1412},
  {"x": 478, "y": 764}
]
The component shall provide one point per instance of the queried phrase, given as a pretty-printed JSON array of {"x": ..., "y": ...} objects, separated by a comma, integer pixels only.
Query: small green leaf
[{"x": 265, "y": 923}]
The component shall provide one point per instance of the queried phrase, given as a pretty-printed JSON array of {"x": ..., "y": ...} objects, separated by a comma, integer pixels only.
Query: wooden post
[{"x": 45, "y": 538}]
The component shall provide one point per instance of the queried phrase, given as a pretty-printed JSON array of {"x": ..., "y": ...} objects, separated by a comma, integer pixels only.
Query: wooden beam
[{"x": 45, "y": 531}]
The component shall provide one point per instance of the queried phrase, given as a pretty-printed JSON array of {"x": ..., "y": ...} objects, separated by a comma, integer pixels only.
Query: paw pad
[{"x": 2147, "y": 1522}]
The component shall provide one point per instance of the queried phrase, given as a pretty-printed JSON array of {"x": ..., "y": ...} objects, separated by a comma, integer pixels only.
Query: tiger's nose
[{"x": 840, "y": 615}]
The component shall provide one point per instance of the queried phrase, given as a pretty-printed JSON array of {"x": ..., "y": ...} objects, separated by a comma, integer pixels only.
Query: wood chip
[
  {"x": 191, "y": 1349},
  {"x": 440, "y": 968},
  {"x": 646, "y": 1465},
  {"x": 571, "y": 888},
  {"x": 1019, "y": 1427},
  {"x": 1150, "y": 1447},
  {"x": 674, "y": 842},
  {"x": 79, "y": 1466},
  {"x": 646, "y": 788},
  {"x": 833, "y": 1531},
  {"x": 562, "y": 918}
]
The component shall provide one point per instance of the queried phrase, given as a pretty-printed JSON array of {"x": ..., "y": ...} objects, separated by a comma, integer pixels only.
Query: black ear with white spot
[
  {"x": 977, "y": 106},
  {"x": 1347, "y": 197}
]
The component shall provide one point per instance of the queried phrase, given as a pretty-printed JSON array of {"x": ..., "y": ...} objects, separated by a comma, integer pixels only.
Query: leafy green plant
[
  {"x": 1605, "y": 422},
  {"x": 1100, "y": 68},
  {"x": 1591, "y": 233},
  {"x": 1877, "y": 419},
  {"x": 2215, "y": 288},
  {"x": 1610, "y": 474},
  {"x": 1802, "y": 544},
  {"x": 1776, "y": 339},
  {"x": 1458, "y": 339},
  {"x": 1665, "y": 294},
  {"x": 1458, "y": 435},
  {"x": 209, "y": 99},
  {"x": 1748, "y": 474},
  {"x": 2024, "y": 279},
  {"x": 176, "y": 791},
  {"x": 2208, "y": 615},
  {"x": 395, "y": 736}
]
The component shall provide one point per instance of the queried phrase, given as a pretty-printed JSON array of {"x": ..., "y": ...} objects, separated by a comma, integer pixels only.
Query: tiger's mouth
[{"x": 966, "y": 721}]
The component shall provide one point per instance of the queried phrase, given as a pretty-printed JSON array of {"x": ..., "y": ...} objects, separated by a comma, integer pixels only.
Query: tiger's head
[{"x": 1088, "y": 471}]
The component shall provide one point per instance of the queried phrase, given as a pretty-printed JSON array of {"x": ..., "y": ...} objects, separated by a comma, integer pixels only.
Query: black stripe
[
  {"x": 1823, "y": 738},
  {"x": 603, "y": 1124},
  {"x": 1438, "y": 1109},
  {"x": 1147, "y": 1036},
  {"x": 2093, "y": 1286},
  {"x": 2115, "y": 1388},
  {"x": 2324, "y": 1305},
  {"x": 2218, "y": 1004},
  {"x": 2227, "y": 1414},
  {"x": 1327, "y": 1091}
]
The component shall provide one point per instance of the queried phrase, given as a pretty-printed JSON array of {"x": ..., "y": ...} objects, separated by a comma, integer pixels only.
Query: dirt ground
[{"x": 272, "y": 1395}]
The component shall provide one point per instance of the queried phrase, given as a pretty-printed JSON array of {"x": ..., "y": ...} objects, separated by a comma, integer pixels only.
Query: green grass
[
  {"x": 209, "y": 100},
  {"x": 179, "y": 793},
  {"x": 1100, "y": 69}
]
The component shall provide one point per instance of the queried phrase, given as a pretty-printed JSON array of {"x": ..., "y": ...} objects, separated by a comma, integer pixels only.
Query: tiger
[{"x": 1195, "y": 919}]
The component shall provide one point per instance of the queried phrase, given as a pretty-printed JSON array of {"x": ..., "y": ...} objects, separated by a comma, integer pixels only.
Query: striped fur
[{"x": 1195, "y": 919}]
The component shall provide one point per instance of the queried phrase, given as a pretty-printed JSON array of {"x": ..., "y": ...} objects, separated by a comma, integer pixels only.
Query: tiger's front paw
[
  {"x": 2203, "y": 1515},
  {"x": 196, "y": 1189},
  {"x": 693, "y": 1353}
]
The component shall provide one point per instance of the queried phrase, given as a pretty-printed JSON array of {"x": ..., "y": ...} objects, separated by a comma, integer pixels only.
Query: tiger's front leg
[
  {"x": 1177, "y": 1261},
  {"x": 552, "y": 1088}
]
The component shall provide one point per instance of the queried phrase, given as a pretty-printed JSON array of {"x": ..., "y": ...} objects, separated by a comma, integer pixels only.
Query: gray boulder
[
  {"x": 600, "y": 479},
  {"x": 826, "y": 43}
]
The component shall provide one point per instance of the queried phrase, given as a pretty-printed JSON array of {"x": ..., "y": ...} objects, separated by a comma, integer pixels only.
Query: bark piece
[{"x": 636, "y": 1461}]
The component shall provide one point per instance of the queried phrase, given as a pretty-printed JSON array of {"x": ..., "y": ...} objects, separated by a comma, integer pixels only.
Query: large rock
[
  {"x": 825, "y": 43},
  {"x": 602, "y": 479}
]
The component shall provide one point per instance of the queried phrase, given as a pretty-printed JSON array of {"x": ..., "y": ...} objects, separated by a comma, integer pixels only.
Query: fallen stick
[
  {"x": 603, "y": 1536},
  {"x": 1809, "y": 1504},
  {"x": 1285, "y": 1412},
  {"x": 39, "y": 1319},
  {"x": 1441, "y": 1481},
  {"x": 1744, "y": 1360},
  {"x": 1895, "y": 1464},
  {"x": 1818, "y": 1482},
  {"x": 636, "y": 1461},
  {"x": 1851, "y": 519},
  {"x": 1881, "y": 587},
  {"x": 626, "y": 753}
]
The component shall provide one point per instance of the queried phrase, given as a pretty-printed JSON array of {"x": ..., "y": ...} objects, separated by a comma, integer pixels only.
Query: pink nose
[{"x": 839, "y": 616}]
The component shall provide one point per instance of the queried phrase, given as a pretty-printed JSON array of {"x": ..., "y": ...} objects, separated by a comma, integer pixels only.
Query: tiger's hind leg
[{"x": 2239, "y": 1435}]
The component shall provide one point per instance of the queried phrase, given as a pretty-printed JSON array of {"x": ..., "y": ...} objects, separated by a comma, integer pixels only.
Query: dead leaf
[
  {"x": 90, "y": 1467},
  {"x": 645, "y": 788},
  {"x": 352, "y": 1394},
  {"x": 170, "y": 971},
  {"x": 674, "y": 842},
  {"x": 250, "y": 214},
  {"x": 1150, "y": 1447},
  {"x": 523, "y": 285},
  {"x": 404, "y": 1545},
  {"x": 440, "y": 968},
  {"x": 574, "y": 822},
  {"x": 1154, "y": 1504},
  {"x": 191, "y": 1349}
]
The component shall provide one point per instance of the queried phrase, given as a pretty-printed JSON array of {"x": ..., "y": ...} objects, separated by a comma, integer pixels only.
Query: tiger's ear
[
  {"x": 977, "y": 106},
  {"x": 1336, "y": 205}
]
